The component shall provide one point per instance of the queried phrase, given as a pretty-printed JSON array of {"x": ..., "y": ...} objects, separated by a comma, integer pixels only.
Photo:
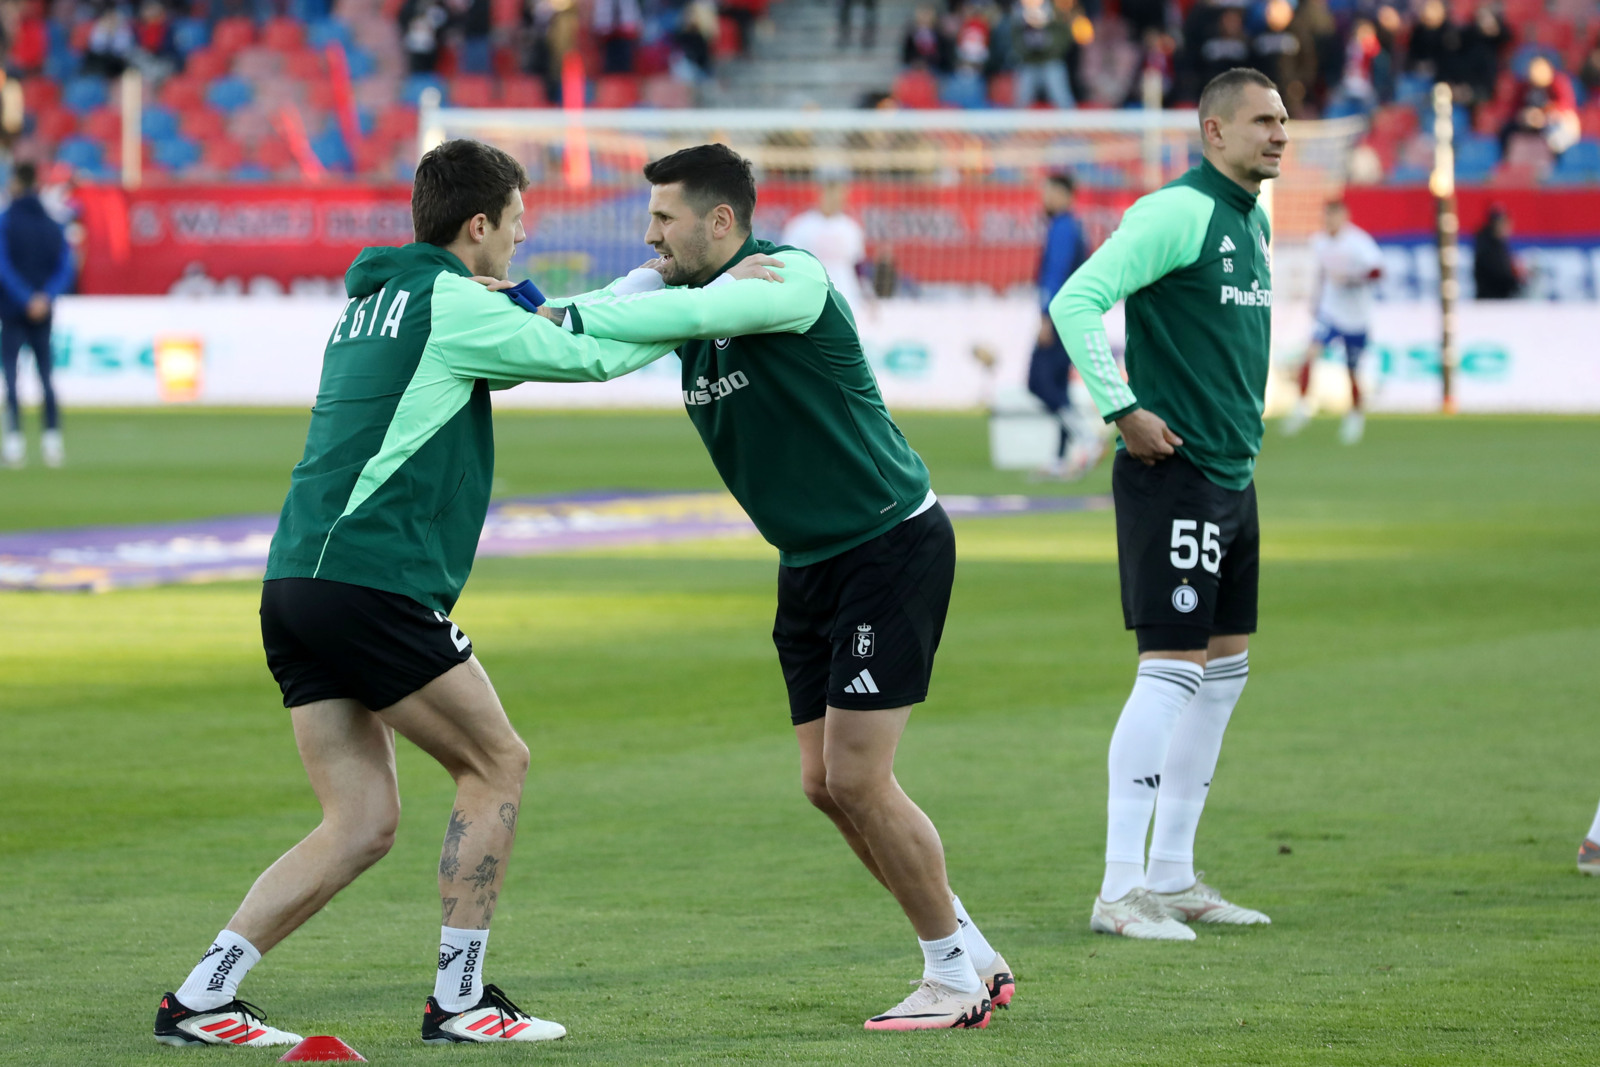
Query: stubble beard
[{"x": 688, "y": 260}]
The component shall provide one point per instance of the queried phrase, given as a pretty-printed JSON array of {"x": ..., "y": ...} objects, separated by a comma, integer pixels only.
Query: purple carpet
[{"x": 100, "y": 558}]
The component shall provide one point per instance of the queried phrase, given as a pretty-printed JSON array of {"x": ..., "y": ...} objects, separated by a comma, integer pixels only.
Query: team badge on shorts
[
  {"x": 863, "y": 641},
  {"x": 1185, "y": 599}
]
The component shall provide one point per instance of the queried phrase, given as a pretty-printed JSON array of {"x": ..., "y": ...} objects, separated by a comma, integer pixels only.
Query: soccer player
[
  {"x": 836, "y": 239},
  {"x": 1049, "y": 370},
  {"x": 775, "y": 381},
  {"x": 1589, "y": 851},
  {"x": 1191, "y": 261},
  {"x": 1348, "y": 262},
  {"x": 375, "y": 541},
  {"x": 35, "y": 269}
]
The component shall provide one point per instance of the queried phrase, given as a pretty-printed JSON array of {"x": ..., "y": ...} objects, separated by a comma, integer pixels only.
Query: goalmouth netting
[{"x": 949, "y": 200}]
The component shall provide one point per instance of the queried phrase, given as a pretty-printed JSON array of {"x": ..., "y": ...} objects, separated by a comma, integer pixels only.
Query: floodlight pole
[{"x": 1442, "y": 183}]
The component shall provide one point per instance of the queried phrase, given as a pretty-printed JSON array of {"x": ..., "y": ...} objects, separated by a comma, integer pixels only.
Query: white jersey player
[
  {"x": 836, "y": 239},
  {"x": 1348, "y": 262}
]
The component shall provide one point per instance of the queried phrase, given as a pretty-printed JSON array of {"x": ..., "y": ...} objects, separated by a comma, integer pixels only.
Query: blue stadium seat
[
  {"x": 324, "y": 32},
  {"x": 1409, "y": 174},
  {"x": 1581, "y": 162},
  {"x": 175, "y": 153},
  {"x": 250, "y": 172},
  {"x": 85, "y": 94},
  {"x": 158, "y": 123},
  {"x": 80, "y": 153},
  {"x": 965, "y": 90},
  {"x": 362, "y": 65},
  {"x": 330, "y": 148},
  {"x": 189, "y": 34},
  {"x": 229, "y": 94},
  {"x": 416, "y": 83},
  {"x": 1476, "y": 155}
]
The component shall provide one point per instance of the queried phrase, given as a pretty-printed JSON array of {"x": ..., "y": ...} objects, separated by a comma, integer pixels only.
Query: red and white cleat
[
  {"x": 234, "y": 1023},
  {"x": 935, "y": 1007},
  {"x": 997, "y": 979},
  {"x": 492, "y": 1019}
]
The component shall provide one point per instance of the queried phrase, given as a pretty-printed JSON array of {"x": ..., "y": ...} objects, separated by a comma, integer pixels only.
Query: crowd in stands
[
  {"x": 266, "y": 89},
  {"x": 1524, "y": 74}
]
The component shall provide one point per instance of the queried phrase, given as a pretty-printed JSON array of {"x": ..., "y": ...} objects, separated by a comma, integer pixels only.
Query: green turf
[{"x": 1403, "y": 788}]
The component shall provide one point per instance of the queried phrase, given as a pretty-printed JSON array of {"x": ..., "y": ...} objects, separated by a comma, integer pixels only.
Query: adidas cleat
[
  {"x": 1136, "y": 914},
  {"x": 493, "y": 1019},
  {"x": 1589, "y": 857},
  {"x": 935, "y": 1006},
  {"x": 997, "y": 979},
  {"x": 1202, "y": 904},
  {"x": 234, "y": 1023}
]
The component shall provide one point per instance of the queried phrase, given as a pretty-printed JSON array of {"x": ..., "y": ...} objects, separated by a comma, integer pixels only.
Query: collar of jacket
[
  {"x": 746, "y": 249},
  {"x": 1225, "y": 187}
]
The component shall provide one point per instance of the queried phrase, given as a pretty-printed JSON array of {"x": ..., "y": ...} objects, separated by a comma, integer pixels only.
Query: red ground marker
[{"x": 321, "y": 1048}]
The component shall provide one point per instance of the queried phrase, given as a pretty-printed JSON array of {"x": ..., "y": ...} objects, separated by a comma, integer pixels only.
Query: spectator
[
  {"x": 1356, "y": 94},
  {"x": 472, "y": 18},
  {"x": 111, "y": 44},
  {"x": 1225, "y": 49},
  {"x": 836, "y": 239},
  {"x": 926, "y": 44},
  {"x": 616, "y": 24},
  {"x": 745, "y": 14},
  {"x": 1274, "y": 50},
  {"x": 696, "y": 38},
  {"x": 423, "y": 20},
  {"x": 1321, "y": 57},
  {"x": 1142, "y": 16},
  {"x": 1589, "y": 73},
  {"x": 1494, "y": 268},
  {"x": 972, "y": 37},
  {"x": 154, "y": 34},
  {"x": 1156, "y": 61},
  {"x": 1433, "y": 42},
  {"x": 869, "y": 27},
  {"x": 35, "y": 268},
  {"x": 550, "y": 30},
  {"x": 1546, "y": 106},
  {"x": 1477, "y": 64},
  {"x": 1041, "y": 42}
]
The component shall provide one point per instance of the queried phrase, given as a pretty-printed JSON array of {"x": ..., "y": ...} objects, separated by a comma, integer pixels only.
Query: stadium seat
[
  {"x": 283, "y": 35},
  {"x": 471, "y": 90},
  {"x": 39, "y": 93},
  {"x": 915, "y": 89},
  {"x": 182, "y": 93},
  {"x": 330, "y": 148},
  {"x": 271, "y": 152},
  {"x": 221, "y": 155},
  {"x": 728, "y": 41},
  {"x": 189, "y": 34},
  {"x": 324, "y": 32},
  {"x": 103, "y": 124},
  {"x": 1476, "y": 156},
  {"x": 361, "y": 62},
  {"x": 249, "y": 172},
  {"x": 202, "y": 125},
  {"x": 305, "y": 65},
  {"x": 1579, "y": 163},
  {"x": 80, "y": 153},
  {"x": 230, "y": 35},
  {"x": 519, "y": 90},
  {"x": 665, "y": 91},
  {"x": 1409, "y": 174},
  {"x": 413, "y": 88},
  {"x": 158, "y": 123},
  {"x": 175, "y": 153},
  {"x": 53, "y": 124},
  {"x": 616, "y": 91},
  {"x": 964, "y": 90},
  {"x": 85, "y": 94},
  {"x": 395, "y": 124},
  {"x": 1003, "y": 89},
  {"x": 206, "y": 64},
  {"x": 229, "y": 94}
]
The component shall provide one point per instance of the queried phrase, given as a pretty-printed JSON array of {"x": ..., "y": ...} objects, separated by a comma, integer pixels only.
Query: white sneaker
[
  {"x": 1351, "y": 429},
  {"x": 1202, "y": 904},
  {"x": 52, "y": 448},
  {"x": 997, "y": 979},
  {"x": 1589, "y": 857},
  {"x": 234, "y": 1023},
  {"x": 14, "y": 450},
  {"x": 935, "y": 1006},
  {"x": 493, "y": 1019},
  {"x": 1137, "y": 915},
  {"x": 1296, "y": 420}
]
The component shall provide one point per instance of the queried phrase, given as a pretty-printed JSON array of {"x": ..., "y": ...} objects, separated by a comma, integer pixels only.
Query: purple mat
[{"x": 100, "y": 558}]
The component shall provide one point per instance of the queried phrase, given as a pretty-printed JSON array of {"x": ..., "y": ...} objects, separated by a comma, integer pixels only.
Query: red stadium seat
[
  {"x": 616, "y": 91},
  {"x": 1003, "y": 89},
  {"x": 305, "y": 64},
  {"x": 232, "y": 34},
  {"x": 320, "y": 96},
  {"x": 207, "y": 64},
  {"x": 915, "y": 88},
  {"x": 104, "y": 125},
  {"x": 373, "y": 158},
  {"x": 221, "y": 154},
  {"x": 504, "y": 62},
  {"x": 183, "y": 92},
  {"x": 668, "y": 92},
  {"x": 728, "y": 42},
  {"x": 471, "y": 90},
  {"x": 284, "y": 35},
  {"x": 519, "y": 90},
  {"x": 203, "y": 125},
  {"x": 40, "y": 93},
  {"x": 1590, "y": 117},
  {"x": 271, "y": 152},
  {"x": 653, "y": 58},
  {"x": 53, "y": 123}
]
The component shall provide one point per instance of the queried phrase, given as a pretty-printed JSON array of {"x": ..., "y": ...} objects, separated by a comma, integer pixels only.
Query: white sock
[
  {"x": 948, "y": 962},
  {"x": 978, "y": 946},
  {"x": 1594, "y": 835},
  {"x": 1162, "y": 690},
  {"x": 459, "y": 983},
  {"x": 1186, "y": 777},
  {"x": 215, "y": 979}
]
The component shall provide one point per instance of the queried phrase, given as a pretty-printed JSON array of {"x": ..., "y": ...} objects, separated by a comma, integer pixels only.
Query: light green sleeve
[
  {"x": 723, "y": 309},
  {"x": 637, "y": 280},
  {"x": 1159, "y": 234},
  {"x": 479, "y": 334}
]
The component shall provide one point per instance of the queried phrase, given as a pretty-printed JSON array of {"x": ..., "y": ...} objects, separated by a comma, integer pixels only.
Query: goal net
[{"x": 949, "y": 201}]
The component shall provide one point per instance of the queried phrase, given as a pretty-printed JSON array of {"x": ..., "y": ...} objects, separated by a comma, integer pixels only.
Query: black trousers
[{"x": 14, "y": 333}]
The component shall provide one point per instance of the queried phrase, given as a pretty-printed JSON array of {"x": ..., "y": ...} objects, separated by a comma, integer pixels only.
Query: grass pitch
[{"x": 1403, "y": 788}]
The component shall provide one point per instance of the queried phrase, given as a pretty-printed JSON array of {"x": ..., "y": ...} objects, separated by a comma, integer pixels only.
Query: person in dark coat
[
  {"x": 35, "y": 268},
  {"x": 1494, "y": 270}
]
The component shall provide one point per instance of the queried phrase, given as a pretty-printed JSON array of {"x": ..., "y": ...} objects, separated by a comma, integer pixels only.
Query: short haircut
[
  {"x": 711, "y": 174},
  {"x": 457, "y": 180},
  {"x": 1220, "y": 97},
  {"x": 25, "y": 174},
  {"x": 1336, "y": 205},
  {"x": 1063, "y": 180}
]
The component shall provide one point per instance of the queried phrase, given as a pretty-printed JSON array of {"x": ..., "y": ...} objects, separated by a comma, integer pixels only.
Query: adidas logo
[
  {"x": 954, "y": 954},
  {"x": 1227, "y": 244},
  {"x": 1153, "y": 781},
  {"x": 862, "y": 684}
]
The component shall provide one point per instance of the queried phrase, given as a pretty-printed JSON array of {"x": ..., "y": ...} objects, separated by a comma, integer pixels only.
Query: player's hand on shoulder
[
  {"x": 756, "y": 266},
  {"x": 494, "y": 285},
  {"x": 1147, "y": 436}
]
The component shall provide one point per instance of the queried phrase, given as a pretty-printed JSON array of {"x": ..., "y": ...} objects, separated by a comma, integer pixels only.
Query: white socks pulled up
[{"x": 215, "y": 979}]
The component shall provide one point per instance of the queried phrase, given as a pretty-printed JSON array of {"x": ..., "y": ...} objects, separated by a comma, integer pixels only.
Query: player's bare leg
[
  {"x": 1297, "y": 418},
  {"x": 1355, "y": 422}
]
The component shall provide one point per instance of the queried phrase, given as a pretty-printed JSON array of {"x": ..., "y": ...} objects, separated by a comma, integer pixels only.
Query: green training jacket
[
  {"x": 394, "y": 484},
  {"x": 775, "y": 381},
  {"x": 1191, "y": 261}
]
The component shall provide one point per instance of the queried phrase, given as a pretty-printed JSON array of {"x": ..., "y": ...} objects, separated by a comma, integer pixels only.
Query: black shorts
[
  {"x": 860, "y": 630},
  {"x": 1189, "y": 552},
  {"x": 329, "y": 640}
]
